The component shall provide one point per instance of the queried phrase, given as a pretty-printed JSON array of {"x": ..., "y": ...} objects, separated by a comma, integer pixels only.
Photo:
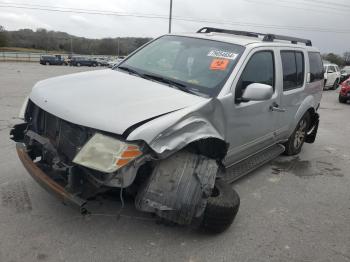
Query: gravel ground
[{"x": 292, "y": 209}]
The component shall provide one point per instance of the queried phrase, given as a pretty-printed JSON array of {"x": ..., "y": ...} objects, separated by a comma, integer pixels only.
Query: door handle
[{"x": 275, "y": 107}]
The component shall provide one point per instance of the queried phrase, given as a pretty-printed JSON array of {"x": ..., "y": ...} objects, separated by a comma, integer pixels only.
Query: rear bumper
[{"x": 48, "y": 183}]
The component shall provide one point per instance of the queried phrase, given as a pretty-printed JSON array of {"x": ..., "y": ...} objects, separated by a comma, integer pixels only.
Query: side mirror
[{"x": 257, "y": 92}]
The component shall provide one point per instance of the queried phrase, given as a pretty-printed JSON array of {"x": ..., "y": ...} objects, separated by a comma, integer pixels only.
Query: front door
[{"x": 251, "y": 125}]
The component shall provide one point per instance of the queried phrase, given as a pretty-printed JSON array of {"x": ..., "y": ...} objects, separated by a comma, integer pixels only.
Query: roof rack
[{"x": 266, "y": 37}]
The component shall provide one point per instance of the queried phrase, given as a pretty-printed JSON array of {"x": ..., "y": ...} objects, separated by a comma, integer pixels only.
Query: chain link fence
[{"x": 35, "y": 57}]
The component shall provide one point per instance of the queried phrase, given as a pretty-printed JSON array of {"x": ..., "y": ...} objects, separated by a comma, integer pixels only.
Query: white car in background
[
  {"x": 112, "y": 63},
  {"x": 345, "y": 73},
  {"x": 331, "y": 76}
]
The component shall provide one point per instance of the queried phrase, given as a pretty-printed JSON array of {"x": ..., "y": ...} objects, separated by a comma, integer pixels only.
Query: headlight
[{"x": 106, "y": 154}]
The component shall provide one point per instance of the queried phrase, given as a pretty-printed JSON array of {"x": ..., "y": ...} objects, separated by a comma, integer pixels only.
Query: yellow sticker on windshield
[{"x": 219, "y": 64}]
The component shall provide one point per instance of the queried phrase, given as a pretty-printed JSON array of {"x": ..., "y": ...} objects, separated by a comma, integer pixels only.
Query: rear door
[
  {"x": 293, "y": 85},
  {"x": 338, "y": 73}
]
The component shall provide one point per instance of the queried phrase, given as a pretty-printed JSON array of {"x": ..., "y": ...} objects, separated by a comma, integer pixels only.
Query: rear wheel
[
  {"x": 47, "y": 63},
  {"x": 324, "y": 84},
  {"x": 221, "y": 209},
  {"x": 297, "y": 139}
]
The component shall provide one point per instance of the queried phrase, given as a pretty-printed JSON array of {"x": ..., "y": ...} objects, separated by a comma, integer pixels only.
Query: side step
[{"x": 251, "y": 163}]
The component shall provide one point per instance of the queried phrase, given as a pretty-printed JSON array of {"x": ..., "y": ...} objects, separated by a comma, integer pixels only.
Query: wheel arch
[
  {"x": 309, "y": 105},
  {"x": 211, "y": 147}
]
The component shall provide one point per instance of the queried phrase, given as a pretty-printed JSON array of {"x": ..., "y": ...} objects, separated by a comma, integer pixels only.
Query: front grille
[{"x": 66, "y": 137}]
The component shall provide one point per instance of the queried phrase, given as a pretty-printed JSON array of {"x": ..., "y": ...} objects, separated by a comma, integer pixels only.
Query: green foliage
[
  {"x": 335, "y": 59},
  {"x": 63, "y": 42},
  {"x": 347, "y": 58}
]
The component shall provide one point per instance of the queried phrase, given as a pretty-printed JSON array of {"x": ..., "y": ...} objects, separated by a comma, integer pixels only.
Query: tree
[
  {"x": 346, "y": 57},
  {"x": 60, "y": 41},
  {"x": 3, "y": 37},
  {"x": 333, "y": 58}
]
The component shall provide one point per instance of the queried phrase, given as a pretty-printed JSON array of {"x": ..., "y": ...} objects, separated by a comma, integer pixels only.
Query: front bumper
[
  {"x": 48, "y": 183},
  {"x": 345, "y": 95}
]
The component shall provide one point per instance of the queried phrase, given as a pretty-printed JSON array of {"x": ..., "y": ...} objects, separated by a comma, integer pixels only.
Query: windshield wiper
[
  {"x": 132, "y": 71},
  {"x": 170, "y": 82}
]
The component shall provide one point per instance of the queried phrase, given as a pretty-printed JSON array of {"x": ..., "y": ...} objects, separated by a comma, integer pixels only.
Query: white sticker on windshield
[{"x": 222, "y": 54}]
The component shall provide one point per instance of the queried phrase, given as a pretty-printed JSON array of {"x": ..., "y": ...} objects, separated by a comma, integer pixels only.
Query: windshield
[{"x": 198, "y": 65}]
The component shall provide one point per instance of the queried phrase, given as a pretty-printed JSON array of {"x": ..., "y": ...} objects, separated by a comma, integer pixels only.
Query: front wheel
[
  {"x": 221, "y": 209},
  {"x": 342, "y": 100},
  {"x": 335, "y": 85},
  {"x": 296, "y": 140}
]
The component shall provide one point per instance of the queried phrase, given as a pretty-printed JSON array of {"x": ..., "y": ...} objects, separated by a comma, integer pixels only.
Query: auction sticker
[
  {"x": 219, "y": 64},
  {"x": 223, "y": 54}
]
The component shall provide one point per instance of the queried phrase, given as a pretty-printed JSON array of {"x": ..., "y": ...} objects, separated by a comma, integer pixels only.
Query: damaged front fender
[{"x": 172, "y": 132}]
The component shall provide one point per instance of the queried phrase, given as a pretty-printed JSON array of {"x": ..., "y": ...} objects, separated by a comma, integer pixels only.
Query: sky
[{"x": 325, "y": 22}]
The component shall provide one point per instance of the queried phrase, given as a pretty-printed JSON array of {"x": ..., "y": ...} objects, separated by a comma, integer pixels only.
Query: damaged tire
[{"x": 221, "y": 209}]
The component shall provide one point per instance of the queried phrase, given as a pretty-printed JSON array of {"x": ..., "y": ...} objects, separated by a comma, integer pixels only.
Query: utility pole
[
  {"x": 118, "y": 47},
  {"x": 71, "y": 45},
  {"x": 170, "y": 15}
]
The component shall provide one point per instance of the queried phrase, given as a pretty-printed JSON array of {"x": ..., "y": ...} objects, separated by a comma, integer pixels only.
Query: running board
[{"x": 251, "y": 163}]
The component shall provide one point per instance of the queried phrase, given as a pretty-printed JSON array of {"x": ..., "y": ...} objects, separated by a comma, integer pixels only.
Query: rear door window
[
  {"x": 316, "y": 66},
  {"x": 293, "y": 69}
]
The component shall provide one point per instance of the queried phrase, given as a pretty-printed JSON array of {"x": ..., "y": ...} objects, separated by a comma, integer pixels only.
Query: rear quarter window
[{"x": 316, "y": 66}]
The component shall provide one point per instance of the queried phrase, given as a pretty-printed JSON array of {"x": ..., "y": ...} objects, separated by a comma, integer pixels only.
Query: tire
[
  {"x": 221, "y": 209},
  {"x": 342, "y": 100},
  {"x": 78, "y": 64},
  {"x": 296, "y": 140},
  {"x": 94, "y": 65},
  {"x": 47, "y": 63},
  {"x": 335, "y": 85}
]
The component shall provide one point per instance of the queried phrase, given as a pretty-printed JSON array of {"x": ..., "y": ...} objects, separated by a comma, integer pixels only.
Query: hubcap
[{"x": 300, "y": 134}]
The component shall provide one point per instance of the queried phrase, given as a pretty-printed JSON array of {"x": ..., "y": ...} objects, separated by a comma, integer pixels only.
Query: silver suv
[{"x": 174, "y": 123}]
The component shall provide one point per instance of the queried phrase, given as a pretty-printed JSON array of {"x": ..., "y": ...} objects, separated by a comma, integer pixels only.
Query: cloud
[
  {"x": 16, "y": 20},
  {"x": 80, "y": 20},
  {"x": 249, "y": 15}
]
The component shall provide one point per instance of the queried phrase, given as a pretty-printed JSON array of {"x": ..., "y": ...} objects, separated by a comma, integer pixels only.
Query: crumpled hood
[{"x": 108, "y": 100}]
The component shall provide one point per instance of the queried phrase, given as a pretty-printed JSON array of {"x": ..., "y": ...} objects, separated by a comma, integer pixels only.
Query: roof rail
[
  {"x": 233, "y": 32},
  {"x": 266, "y": 37}
]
